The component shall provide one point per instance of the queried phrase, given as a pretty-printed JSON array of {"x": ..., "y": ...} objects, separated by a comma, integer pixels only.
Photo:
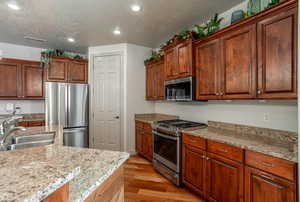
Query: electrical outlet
[{"x": 266, "y": 117}]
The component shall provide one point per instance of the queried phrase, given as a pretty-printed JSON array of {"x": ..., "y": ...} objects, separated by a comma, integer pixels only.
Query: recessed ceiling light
[
  {"x": 117, "y": 32},
  {"x": 13, "y": 6},
  {"x": 70, "y": 39},
  {"x": 136, "y": 8}
]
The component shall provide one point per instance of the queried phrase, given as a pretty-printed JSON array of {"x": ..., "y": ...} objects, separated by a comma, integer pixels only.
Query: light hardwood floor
[{"x": 144, "y": 184}]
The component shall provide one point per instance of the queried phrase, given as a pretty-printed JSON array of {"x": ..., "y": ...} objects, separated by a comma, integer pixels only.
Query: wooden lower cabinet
[
  {"x": 31, "y": 123},
  {"x": 193, "y": 168},
  {"x": 224, "y": 179},
  {"x": 143, "y": 140},
  {"x": 264, "y": 187}
]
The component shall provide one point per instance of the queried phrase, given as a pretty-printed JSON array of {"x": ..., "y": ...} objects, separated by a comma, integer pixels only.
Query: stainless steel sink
[
  {"x": 26, "y": 141},
  {"x": 33, "y": 138}
]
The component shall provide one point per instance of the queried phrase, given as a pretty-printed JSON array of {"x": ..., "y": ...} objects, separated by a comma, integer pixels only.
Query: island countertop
[{"x": 34, "y": 173}]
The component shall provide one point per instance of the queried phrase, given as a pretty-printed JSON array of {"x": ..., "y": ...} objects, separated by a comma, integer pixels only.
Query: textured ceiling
[{"x": 91, "y": 22}]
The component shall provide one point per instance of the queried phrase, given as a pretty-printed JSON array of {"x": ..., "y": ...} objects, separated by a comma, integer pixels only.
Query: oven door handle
[{"x": 165, "y": 136}]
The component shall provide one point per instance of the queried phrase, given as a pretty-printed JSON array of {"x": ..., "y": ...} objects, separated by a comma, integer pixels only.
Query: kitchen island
[{"x": 38, "y": 173}]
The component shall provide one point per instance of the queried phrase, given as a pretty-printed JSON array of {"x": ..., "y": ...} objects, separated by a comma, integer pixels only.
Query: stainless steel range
[{"x": 167, "y": 147}]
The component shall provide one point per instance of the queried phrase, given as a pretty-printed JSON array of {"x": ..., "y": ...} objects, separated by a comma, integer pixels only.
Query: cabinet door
[
  {"x": 147, "y": 146},
  {"x": 264, "y": 187},
  {"x": 170, "y": 64},
  {"x": 238, "y": 67},
  {"x": 57, "y": 70},
  {"x": 77, "y": 72},
  {"x": 139, "y": 140},
  {"x": 160, "y": 81},
  {"x": 184, "y": 59},
  {"x": 193, "y": 168},
  {"x": 150, "y": 80},
  {"x": 207, "y": 70},
  {"x": 277, "y": 55},
  {"x": 10, "y": 85},
  {"x": 33, "y": 85},
  {"x": 224, "y": 179}
]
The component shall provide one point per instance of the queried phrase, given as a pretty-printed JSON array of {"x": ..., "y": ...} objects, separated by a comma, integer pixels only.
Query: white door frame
[{"x": 122, "y": 96}]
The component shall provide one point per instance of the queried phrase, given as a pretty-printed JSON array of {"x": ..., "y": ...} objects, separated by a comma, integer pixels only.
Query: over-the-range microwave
[{"x": 182, "y": 89}]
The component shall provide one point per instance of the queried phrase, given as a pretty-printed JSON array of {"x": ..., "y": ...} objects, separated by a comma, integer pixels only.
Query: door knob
[{"x": 116, "y": 117}]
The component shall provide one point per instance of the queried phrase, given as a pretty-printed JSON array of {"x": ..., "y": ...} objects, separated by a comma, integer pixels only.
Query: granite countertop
[
  {"x": 32, "y": 174},
  {"x": 280, "y": 144},
  {"x": 151, "y": 118}
]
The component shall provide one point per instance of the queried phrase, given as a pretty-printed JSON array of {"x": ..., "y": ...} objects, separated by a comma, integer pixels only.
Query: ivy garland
[{"x": 46, "y": 55}]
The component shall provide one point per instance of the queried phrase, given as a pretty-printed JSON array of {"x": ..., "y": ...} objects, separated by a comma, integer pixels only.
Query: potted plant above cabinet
[
  {"x": 179, "y": 59},
  {"x": 62, "y": 69}
]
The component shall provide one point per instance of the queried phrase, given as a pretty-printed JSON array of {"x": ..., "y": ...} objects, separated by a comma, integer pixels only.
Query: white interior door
[{"x": 106, "y": 102}]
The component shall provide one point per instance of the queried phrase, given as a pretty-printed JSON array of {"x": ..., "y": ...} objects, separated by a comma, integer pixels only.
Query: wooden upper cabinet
[
  {"x": 277, "y": 55},
  {"x": 170, "y": 64},
  {"x": 184, "y": 59},
  {"x": 160, "y": 79},
  {"x": 155, "y": 89},
  {"x": 238, "y": 65},
  {"x": 77, "y": 72},
  {"x": 33, "y": 85},
  {"x": 179, "y": 60},
  {"x": 9, "y": 80},
  {"x": 67, "y": 70},
  {"x": 263, "y": 187},
  {"x": 193, "y": 168},
  {"x": 207, "y": 69},
  {"x": 57, "y": 70},
  {"x": 225, "y": 179},
  {"x": 21, "y": 79}
]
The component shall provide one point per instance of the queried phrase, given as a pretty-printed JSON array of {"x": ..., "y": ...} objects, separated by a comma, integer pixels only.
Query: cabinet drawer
[
  {"x": 194, "y": 141},
  {"x": 139, "y": 124},
  {"x": 36, "y": 123},
  {"x": 147, "y": 128},
  {"x": 279, "y": 167},
  {"x": 230, "y": 152}
]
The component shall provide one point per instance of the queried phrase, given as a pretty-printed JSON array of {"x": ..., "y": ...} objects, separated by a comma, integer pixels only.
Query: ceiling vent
[{"x": 35, "y": 39}]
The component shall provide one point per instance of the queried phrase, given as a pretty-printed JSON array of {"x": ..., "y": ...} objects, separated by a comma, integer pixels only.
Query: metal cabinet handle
[
  {"x": 266, "y": 164},
  {"x": 221, "y": 93},
  {"x": 259, "y": 92},
  {"x": 116, "y": 117},
  {"x": 203, "y": 157},
  {"x": 223, "y": 150},
  {"x": 207, "y": 158}
]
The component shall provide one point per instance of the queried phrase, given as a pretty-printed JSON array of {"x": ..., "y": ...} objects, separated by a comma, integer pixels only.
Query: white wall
[
  {"x": 133, "y": 87},
  {"x": 25, "y": 53},
  {"x": 281, "y": 115},
  {"x": 136, "y": 89},
  {"x": 20, "y": 52}
]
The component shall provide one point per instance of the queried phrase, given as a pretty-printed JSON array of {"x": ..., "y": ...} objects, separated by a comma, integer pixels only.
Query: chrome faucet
[{"x": 7, "y": 127}]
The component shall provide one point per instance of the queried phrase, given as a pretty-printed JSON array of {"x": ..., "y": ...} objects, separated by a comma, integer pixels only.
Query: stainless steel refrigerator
[{"x": 67, "y": 105}]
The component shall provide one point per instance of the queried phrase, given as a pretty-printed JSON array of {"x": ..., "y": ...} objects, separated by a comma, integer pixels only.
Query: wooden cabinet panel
[
  {"x": 280, "y": 167},
  {"x": 57, "y": 70},
  {"x": 147, "y": 146},
  {"x": 193, "y": 168},
  {"x": 238, "y": 69},
  {"x": 184, "y": 59},
  {"x": 77, "y": 72},
  {"x": 33, "y": 85},
  {"x": 170, "y": 65},
  {"x": 264, "y": 187},
  {"x": 139, "y": 140},
  {"x": 225, "y": 179},
  {"x": 9, "y": 80},
  {"x": 277, "y": 55},
  {"x": 194, "y": 141},
  {"x": 207, "y": 70},
  {"x": 230, "y": 152},
  {"x": 160, "y": 81},
  {"x": 155, "y": 89}
]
